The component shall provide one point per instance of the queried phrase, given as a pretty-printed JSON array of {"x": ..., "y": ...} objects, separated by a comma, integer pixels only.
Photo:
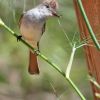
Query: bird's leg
[
  {"x": 38, "y": 46},
  {"x": 37, "y": 50},
  {"x": 19, "y": 37}
]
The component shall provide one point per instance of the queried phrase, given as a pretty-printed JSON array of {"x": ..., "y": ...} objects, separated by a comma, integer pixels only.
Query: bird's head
[{"x": 48, "y": 8}]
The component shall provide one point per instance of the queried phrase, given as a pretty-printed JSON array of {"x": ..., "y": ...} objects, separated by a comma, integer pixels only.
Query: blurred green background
[{"x": 15, "y": 81}]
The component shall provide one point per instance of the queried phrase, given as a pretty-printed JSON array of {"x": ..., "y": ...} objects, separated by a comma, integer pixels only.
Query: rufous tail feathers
[{"x": 33, "y": 65}]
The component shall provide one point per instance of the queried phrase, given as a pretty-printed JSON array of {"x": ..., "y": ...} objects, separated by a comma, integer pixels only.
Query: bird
[{"x": 32, "y": 25}]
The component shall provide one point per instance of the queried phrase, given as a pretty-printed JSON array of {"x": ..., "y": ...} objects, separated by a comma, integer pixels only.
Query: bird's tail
[{"x": 33, "y": 65}]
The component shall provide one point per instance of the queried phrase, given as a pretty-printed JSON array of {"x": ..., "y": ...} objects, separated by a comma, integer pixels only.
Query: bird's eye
[{"x": 47, "y": 6}]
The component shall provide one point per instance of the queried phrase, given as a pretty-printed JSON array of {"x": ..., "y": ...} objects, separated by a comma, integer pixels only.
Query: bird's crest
[{"x": 52, "y": 3}]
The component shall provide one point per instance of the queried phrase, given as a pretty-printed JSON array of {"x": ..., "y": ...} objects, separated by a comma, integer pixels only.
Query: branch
[
  {"x": 70, "y": 62},
  {"x": 33, "y": 49},
  {"x": 45, "y": 59}
]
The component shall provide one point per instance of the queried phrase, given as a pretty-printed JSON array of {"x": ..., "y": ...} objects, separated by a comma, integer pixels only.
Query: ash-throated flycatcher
[{"x": 32, "y": 26}]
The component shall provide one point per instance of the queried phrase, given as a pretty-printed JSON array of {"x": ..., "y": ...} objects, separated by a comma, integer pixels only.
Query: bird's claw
[
  {"x": 37, "y": 51},
  {"x": 19, "y": 37}
]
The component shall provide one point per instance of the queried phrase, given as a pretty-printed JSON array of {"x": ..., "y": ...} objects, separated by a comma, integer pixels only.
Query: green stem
[
  {"x": 88, "y": 24},
  {"x": 76, "y": 89},
  {"x": 51, "y": 63},
  {"x": 45, "y": 59},
  {"x": 92, "y": 80},
  {"x": 81, "y": 45},
  {"x": 14, "y": 34},
  {"x": 70, "y": 61},
  {"x": 63, "y": 74}
]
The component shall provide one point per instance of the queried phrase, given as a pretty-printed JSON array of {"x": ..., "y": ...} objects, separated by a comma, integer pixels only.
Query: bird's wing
[
  {"x": 43, "y": 29},
  {"x": 20, "y": 19}
]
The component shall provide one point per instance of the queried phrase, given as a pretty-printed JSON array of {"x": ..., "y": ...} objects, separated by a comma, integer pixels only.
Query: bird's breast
[{"x": 31, "y": 31}]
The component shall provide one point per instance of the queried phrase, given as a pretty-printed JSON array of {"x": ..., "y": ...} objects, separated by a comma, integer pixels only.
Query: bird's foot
[
  {"x": 37, "y": 51},
  {"x": 19, "y": 38}
]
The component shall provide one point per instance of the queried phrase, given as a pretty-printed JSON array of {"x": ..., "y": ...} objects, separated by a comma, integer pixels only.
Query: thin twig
[
  {"x": 64, "y": 33},
  {"x": 73, "y": 39},
  {"x": 87, "y": 39},
  {"x": 97, "y": 95},
  {"x": 24, "y": 6},
  {"x": 92, "y": 80}
]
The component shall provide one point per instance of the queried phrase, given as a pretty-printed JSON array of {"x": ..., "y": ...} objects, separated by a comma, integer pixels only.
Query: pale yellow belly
[{"x": 31, "y": 34}]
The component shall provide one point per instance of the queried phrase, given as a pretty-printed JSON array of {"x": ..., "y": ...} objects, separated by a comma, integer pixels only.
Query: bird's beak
[{"x": 54, "y": 13}]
